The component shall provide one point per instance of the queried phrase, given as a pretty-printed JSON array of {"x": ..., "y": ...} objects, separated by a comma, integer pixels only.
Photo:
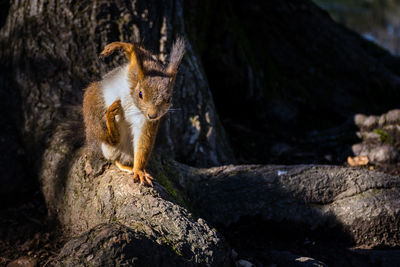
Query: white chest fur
[{"x": 115, "y": 86}]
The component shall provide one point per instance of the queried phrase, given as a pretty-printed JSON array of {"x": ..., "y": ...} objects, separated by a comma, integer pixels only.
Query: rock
[
  {"x": 359, "y": 120},
  {"x": 384, "y": 154},
  {"x": 369, "y": 136},
  {"x": 357, "y": 149},
  {"x": 381, "y": 153},
  {"x": 380, "y": 141},
  {"x": 392, "y": 117},
  {"x": 370, "y": 123},
  {"x": 392, "y": 133}
]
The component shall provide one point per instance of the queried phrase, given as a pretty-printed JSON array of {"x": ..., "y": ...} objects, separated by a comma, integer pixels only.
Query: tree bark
[
  {"x": 292, "y": 75},
  {"x": 49, "y": 53},
  {"x": 116, "y": 245},
  {"x": 362, "y": 205},
  {"x": 82, "y": 191},
  {"x": 51, "y": 49}
]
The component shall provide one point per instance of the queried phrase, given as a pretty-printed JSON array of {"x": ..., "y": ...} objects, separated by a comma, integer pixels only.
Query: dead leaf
[{"x": 357, "y": 161}]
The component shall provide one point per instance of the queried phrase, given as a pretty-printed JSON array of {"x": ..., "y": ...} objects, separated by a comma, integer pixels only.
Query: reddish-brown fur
[
  {"x": 112, "y": 128},
  {"x": 144, "y": 148},
  {"x": 155, "y": 84},
  {"x": 93, "y": 115}
]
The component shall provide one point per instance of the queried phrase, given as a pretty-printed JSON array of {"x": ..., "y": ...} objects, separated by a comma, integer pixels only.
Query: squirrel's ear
[
  {"x": 177, "y": 52},
  {"x": 130, "y": 52}
]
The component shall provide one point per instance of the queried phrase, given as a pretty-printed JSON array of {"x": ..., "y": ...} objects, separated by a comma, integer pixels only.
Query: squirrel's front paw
[
  {"x": 142, "y": 176},
  {"x": 114, "y": 108}
]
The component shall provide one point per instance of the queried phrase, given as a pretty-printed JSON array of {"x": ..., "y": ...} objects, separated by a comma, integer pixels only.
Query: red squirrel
[{"x": 123, "y": 110}]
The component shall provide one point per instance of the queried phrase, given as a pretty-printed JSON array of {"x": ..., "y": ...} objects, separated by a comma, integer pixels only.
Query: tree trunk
[
  {"x": 51, "y": 49},
  {"x": 49, "y": 54},
  {"x": 294, "y": 78},
  {"x": 359, "y": 204},
  {"x": 361, "y": 207},
  {"x": 83, "y": 191}
]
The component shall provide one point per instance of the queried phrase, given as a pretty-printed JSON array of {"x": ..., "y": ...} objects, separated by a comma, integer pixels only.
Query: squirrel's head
[{"x": 151, "y": 82}]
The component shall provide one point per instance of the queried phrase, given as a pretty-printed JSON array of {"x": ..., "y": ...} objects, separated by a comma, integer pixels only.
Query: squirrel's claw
[
  {"x": 115, "y": 107},
  {"x": 144, "y": 177}
]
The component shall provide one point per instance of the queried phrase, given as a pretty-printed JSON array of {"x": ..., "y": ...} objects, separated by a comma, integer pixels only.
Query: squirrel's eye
[{"x": 140, "y": 94}]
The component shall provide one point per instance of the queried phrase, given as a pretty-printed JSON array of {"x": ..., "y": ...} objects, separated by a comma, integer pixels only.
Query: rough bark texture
[
  {"x": 51, "y": 51},
  {"x": 49, "y": 54},
  {"x": 82, "y": 191},
  {"x": 364, "y": 205},
  {"x": 118, "y": 245}
]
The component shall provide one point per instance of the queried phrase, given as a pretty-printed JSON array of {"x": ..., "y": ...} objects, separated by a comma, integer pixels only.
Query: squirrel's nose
[{"x": 152, "y": 116}]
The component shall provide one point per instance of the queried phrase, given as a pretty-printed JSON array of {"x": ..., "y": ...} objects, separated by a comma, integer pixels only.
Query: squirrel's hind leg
[{"x": 122, "y": 167}]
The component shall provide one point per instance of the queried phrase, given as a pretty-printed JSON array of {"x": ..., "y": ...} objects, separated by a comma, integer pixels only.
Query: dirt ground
[{"x": 26, "y": 234}]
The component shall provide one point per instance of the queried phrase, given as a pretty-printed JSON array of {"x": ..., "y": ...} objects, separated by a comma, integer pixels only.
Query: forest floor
[{"x": 27, "y": 236}]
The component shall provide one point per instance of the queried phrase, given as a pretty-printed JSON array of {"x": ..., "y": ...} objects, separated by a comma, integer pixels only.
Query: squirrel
[{"x": 122, "y": 112}]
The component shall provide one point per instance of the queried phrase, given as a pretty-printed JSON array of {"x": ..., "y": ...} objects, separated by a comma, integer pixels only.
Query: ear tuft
[{"x": 177, "y": 52}]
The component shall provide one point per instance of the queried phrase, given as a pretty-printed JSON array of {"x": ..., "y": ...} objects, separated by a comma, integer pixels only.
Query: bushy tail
[{"x": 71, "y": 128}]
